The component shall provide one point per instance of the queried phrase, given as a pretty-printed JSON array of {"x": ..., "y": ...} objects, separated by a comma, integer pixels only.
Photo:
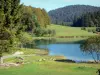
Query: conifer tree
[{"x": 10, "y": 27}]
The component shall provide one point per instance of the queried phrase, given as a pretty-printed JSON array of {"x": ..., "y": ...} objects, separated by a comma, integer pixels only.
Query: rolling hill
[{"x": 66, "y": 15}]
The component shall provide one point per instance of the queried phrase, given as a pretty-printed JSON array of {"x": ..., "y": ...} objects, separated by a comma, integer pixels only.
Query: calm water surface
[{"x": 70, "y": 51}]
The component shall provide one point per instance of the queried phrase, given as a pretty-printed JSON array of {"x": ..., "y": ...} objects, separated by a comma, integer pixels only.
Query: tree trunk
[
  {"x": 1, "y": 60},
  {"x": 93, "y": 58},
  {"x": 98, "y": 57}
]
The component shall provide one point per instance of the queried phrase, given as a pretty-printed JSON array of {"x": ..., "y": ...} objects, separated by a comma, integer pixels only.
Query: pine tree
[{"x": 10, "y": 14}]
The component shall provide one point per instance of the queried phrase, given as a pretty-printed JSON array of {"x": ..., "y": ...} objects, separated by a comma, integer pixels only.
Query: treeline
[
  {"x": 66, "y": 15},
  {"x": 88, "y": 20}
]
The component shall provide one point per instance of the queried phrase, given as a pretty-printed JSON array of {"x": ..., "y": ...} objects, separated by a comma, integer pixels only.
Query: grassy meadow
[{"x": 69, "y": 31}]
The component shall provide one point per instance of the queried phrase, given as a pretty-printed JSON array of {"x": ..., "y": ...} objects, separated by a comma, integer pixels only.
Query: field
[{"x": 69, "y": 31}]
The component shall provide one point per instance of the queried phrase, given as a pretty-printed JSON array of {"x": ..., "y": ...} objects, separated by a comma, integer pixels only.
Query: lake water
[{"x": 69, "y": 50}]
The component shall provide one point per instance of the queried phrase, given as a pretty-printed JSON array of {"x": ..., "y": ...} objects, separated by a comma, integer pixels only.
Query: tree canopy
[{"x": 34, "y": 19}]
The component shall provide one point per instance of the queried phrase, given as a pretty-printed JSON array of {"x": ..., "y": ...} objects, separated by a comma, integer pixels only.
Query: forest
[
  {"x": 88, "y": 20},
  {"x": 67, "y": 15}
]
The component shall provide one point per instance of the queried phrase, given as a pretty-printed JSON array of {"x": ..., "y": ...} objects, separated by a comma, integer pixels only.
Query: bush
[
  {"x": 89, "y": 30},
  {"x": 98, "y": 29},
  {"x": 94, "y": 31},
  {"x": 83, "y": 28}
]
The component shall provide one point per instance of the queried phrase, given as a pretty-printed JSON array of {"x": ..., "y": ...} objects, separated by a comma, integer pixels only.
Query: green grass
[
  {"x": 69, "y": 31},
  {"x": 52, "y": 68}
]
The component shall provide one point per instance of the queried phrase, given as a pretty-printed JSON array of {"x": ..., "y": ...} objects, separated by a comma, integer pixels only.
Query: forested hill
[{"x": 68, "y": 14}]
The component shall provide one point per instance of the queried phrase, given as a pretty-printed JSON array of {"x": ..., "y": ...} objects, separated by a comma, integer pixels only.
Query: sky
[{"x": 54, "y": 4}]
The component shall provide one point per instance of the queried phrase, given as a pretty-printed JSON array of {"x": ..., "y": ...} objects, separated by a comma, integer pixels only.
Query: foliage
[
  {"x": 24, "y": 38},
  {"x": 16, "y": 20},
  {"x": 10, "y": 13},
  {"x": 34, "y": 20},
  {"x": 28, "y": 19},
  {"x": 51, "y": 32},
  {"x": 67, "y": 15},
  {"x": 42, "y": 17},
  {"x": 92, "y": 46},
  {"x": 88, "y": 20}
]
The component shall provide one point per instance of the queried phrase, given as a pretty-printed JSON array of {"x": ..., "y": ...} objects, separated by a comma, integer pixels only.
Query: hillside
[{"x": 68, "y": 14}]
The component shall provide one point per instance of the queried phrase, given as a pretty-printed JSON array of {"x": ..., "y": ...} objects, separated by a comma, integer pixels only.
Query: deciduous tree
[{"x": 92, "y": 46}]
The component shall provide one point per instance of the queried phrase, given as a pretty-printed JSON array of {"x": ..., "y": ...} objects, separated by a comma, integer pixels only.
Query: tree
[
  {"x": 34, "y": 20},
  {"x": 46, "y": 18},
  {"x": 42, "y": 17},
  {"x": 10, "y": 27},
  {"x": 92, "y": 46},
  {"x": 28, "y": 20},
  {"x": 25, "y": 38}
]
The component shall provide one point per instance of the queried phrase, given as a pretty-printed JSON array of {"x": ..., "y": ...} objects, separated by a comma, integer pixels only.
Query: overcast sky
[{"x": 53, "y": 4}]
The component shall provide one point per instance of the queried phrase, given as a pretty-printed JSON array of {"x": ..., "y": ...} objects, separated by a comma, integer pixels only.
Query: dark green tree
[{"x": 10, "y": 27}]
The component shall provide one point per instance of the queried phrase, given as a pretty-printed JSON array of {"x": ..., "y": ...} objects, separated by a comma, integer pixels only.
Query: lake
[{"x": 69, "y": 50}]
